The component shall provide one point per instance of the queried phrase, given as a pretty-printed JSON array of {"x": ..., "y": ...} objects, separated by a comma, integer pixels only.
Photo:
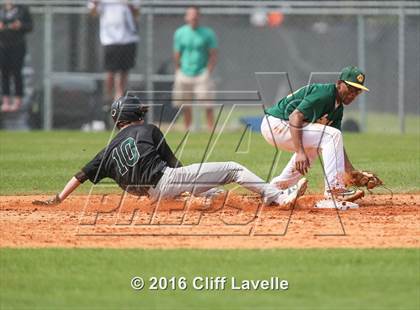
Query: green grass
[
  {"x": 318, "y": 279},
  {"x": 42, "y": 162},
  {"x": 387, "y": 122}
]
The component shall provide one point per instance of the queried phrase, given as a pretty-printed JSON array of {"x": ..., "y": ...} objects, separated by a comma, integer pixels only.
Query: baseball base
[{"x": 340, "y": 205}]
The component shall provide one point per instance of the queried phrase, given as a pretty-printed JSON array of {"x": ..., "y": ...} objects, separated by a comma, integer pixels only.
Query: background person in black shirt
[
  {"x": 15, "y": 22},
  {"x": 141, "y": 163}
]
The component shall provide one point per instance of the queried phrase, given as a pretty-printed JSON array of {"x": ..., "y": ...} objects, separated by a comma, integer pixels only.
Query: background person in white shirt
[{"x": 119, "y": 36}]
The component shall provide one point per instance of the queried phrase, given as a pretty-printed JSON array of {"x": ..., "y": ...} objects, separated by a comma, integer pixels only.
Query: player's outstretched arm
[
  {"x": 91, "y": 169},
  {"x": 67, "y": 190}
]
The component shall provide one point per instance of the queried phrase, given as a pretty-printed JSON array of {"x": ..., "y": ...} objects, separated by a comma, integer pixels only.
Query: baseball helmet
[{"x": 128, "y": 109}]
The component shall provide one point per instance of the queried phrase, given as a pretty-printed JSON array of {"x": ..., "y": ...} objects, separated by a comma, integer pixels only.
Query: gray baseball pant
[{"x": 199, "y": 178}]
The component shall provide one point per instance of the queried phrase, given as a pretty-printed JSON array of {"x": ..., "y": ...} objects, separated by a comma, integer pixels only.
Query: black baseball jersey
[{"x": 136, "y": 156}]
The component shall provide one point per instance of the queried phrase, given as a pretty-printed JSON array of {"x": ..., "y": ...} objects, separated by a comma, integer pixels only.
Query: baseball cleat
[
  {"x": 289, "y": 196},
  {"x": 343, "y": 194}
]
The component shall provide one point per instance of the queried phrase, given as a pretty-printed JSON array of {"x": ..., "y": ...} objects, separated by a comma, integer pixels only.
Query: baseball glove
[
  {"x": 49, "y": 202},
  {"x": 366, "y": 179}
]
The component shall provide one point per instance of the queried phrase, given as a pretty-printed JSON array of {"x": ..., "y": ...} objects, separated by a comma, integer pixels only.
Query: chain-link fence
[{"x": 310, "y": 41}]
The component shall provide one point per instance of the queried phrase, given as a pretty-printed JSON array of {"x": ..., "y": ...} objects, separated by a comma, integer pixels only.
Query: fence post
[
  {"x": 149, "y": 63},
  {"x": 48, "y": 60},
  {"x": 401, "y": 68},
  {"x": 361, "y": 57}
]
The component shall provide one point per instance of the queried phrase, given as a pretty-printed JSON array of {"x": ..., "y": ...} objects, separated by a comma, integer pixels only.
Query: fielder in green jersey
[{"x": 308, "y": 122}]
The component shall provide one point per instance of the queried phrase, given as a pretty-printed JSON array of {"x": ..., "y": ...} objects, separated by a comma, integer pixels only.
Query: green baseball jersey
[
  {"x": 315, "y": 101},
  {"x": 194, "y": 46}
]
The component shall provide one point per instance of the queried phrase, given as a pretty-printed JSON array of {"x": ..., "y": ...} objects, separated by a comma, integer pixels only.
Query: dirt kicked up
[{"x": 227, "y": 222}]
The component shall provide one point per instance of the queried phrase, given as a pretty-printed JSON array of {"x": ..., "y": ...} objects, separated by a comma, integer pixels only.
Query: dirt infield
[{"x": 232, "y": 222}]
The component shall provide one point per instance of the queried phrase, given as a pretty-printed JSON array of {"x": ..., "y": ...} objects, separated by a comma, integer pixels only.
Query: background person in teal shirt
[{"x": 195, "y": 55}]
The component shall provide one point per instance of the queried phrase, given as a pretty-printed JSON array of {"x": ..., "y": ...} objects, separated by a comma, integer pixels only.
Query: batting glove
[{"x": 49, "y": 202}]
